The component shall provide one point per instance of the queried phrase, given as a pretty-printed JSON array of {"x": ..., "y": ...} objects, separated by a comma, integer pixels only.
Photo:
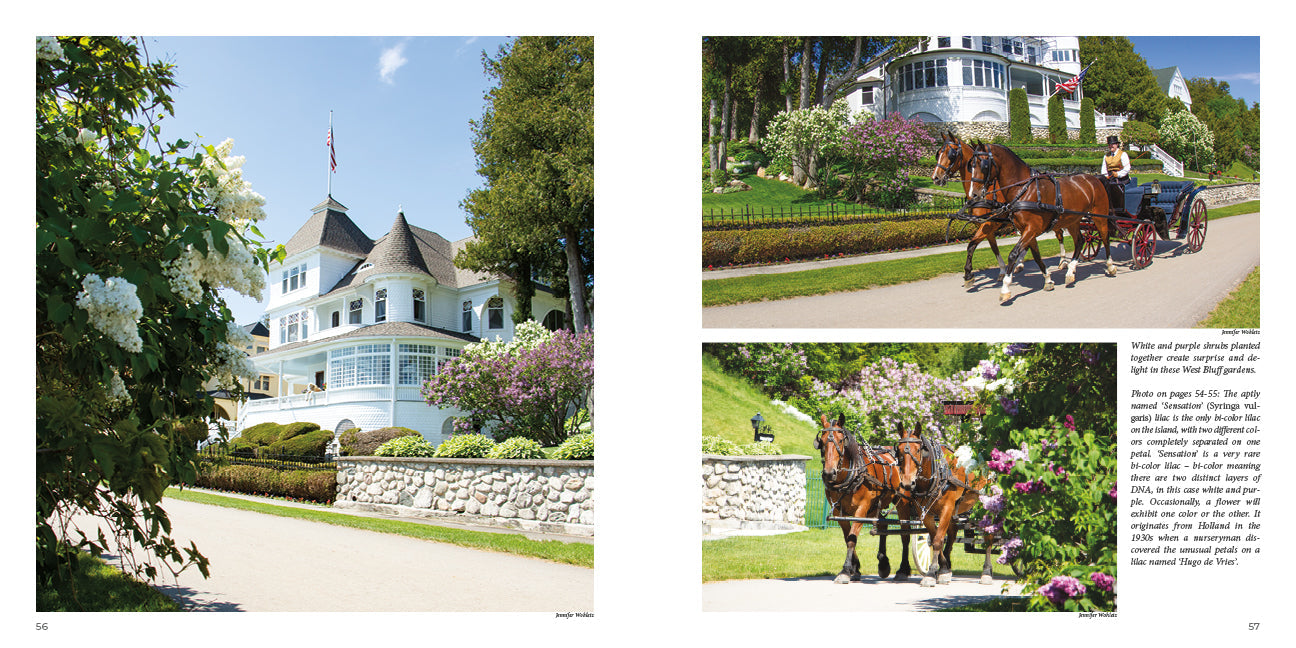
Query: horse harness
[
  {"x": 856, "y": 475},
  {"x": 1003, "y": 211},
  {"x": 941, "y": 479}
]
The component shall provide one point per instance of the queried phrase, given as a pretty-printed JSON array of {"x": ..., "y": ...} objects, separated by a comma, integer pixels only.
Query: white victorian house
[
  {"x": 356, "y": 325},
  {"x": 967, "y": 79}
]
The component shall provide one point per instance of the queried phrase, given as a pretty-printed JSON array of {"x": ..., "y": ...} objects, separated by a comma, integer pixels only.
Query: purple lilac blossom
[
  {"x": 1061, "y": 588},
  {"x": 1009, "y": 405},
  {"x": 1016, "y": 349},
  {"x": 1102, "y": 581}
]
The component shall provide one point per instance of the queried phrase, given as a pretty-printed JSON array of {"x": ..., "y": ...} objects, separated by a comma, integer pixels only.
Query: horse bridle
[
  {"x": 940, "y": 479},
  {"x": 952, "y": 157},
  {"x": 856, "y": 476}
]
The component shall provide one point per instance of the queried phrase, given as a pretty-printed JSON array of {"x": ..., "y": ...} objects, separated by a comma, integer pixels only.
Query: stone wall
[
  {"x": 1231, "y": 193},
  {"x": 536, "y": 495},
  {"x": 765, "y": 492}
]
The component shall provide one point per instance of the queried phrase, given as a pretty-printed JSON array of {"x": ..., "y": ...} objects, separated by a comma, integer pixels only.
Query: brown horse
[
  {"x": 859, "y": 482},
  {"x": 1039, "y": 202},
  {"x": 954, "y": 156},
  {"x": 941, "y": 490}
]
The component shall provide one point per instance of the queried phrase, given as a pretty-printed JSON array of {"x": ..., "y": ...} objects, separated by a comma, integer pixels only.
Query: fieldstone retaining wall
[
  {"x": 1231, "y": 193},
  {"x": 761, "y": 492},
  {"x": 535, "y": 495}
]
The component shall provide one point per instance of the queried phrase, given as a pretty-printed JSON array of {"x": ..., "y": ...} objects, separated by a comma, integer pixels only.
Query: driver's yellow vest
[{"x": 1113, "y": 162}]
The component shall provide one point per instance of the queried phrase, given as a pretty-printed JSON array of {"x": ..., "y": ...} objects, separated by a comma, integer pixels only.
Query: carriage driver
[{"x": 1115, "y": 170}]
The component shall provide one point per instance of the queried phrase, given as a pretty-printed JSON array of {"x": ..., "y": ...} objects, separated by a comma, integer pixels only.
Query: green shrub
[
  {"x": 290, "y": 430},
  {"x": 263, "y": 433},
  {"x": 715, "y": 445},
  {"x": 406, "y": 446},
  {"x": 739, "y": 247},
  {"x": 240, "y": 447},
  {"x": 364, "y": 444},
  {"x": 1019, "y": 126},
  {"x": 309, "y": 444},
  {"x": 760, "y": 448},
  {"x": 577, "y": 446},
  {"x": 313, "y": 485},
  {"x": 516, "y": 448},
  {"x": 191, "y": 432},
  {"x": 1088, "y": 132},
  {"x": 465, "y": 446}
]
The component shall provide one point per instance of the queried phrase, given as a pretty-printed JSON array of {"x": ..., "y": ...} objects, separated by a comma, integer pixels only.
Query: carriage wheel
[
  {"x": 1197, "y": 226},
  {"x": 1142, "y": 245},
  {"x": 920, "y": 548},
  {"x": 1089, "y": 247}
]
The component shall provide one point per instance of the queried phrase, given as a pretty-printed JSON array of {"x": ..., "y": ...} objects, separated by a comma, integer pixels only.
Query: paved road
[
  {"x": 1177, "y": 290},
  {"x": 823, "y": 595},
  {"x": 265, "y": 563}
]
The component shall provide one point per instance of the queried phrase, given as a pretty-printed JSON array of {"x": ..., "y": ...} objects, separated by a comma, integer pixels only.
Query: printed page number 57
[{"x": 1253, "y": 626}]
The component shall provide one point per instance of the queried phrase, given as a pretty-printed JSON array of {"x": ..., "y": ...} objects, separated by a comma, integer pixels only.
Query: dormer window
[
  {"x": 294, "y": 278},
  {"x": 495, "y": 313},
  {"x": 380, "y": 305},
  {"x": 356, "y": 308},
  {"x": 420, "y": 306}
]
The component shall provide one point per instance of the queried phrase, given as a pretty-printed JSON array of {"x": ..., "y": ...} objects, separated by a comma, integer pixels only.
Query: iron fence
[
  {"x": 265, "y": 460},
  {"x": 816, "y": 510}
]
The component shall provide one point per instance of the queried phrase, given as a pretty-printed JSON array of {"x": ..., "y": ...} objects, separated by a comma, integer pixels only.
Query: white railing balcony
[{"x": 1171, "y": 166}]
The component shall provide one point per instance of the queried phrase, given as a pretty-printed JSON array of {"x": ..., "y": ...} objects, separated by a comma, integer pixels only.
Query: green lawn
[
  {"x": 807, "y": 554},
  {"x": 729, "y": 402},
  {"x": 1241, "y": 309},
  {"x": 573, "y": 553},
  {"x": 99, "y": 587}
]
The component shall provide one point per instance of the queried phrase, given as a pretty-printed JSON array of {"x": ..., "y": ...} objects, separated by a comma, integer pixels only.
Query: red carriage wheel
[
  {"x": 1142, "y": 245},
  {"x": 1197, "y": 226},
  {"x": 1089, "y": 243}
]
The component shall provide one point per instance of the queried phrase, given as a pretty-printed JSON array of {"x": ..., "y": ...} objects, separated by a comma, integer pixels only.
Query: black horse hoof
[{"x": 884, "y": 569}]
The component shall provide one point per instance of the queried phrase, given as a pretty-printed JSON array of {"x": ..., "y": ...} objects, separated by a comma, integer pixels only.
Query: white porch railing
[
  {"x": 1109, "y": 121},
  {"x": 1171, "y": 166},
  {"x": 333, "y": 397}
]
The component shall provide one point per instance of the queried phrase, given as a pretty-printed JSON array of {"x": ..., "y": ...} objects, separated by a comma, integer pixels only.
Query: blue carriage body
[{"x": 1163, "y": 195}]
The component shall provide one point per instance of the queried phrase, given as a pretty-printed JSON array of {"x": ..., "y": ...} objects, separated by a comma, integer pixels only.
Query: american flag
[
  {"x": 332, "y": 156},
  {"x": 1071, "y": 84}
]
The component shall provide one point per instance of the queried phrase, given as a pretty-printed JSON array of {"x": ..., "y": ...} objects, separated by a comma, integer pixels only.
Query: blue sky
[
  {"x": 401, "y": 110},
  {"x": 1235, "y": 59}
]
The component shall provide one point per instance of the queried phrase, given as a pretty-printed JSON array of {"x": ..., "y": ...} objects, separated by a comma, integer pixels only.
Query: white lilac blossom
[
  {"x": 48, "y": 48},
  {"x": 966, "y": 460},
  {"x": 113, "y": 308},
  {"x": 116, "y": 390},
  {"x": 527, "y": 335},
  {"x": 237, "y": 269},
  {"x": 792, "y": 411},
  {"x": 232, "y": 196},
  {"x": 231, "y": 361}
]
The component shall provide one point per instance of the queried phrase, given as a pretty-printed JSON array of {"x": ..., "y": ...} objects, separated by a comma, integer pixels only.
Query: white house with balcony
[
  {"x": 356, "y": 325},
  {"x": 967, "y": 79}
]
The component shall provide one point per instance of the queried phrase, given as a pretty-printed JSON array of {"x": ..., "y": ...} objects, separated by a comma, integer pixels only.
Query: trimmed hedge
[
  {"x": 291, "y": 430},
  {"x": 309, "y": 444},
  {"x": 263, "y": 433},
  {"x": 741, "y": 247},
  {"x": 355, "y": 443},
  {"x": 313, "y": 485}
]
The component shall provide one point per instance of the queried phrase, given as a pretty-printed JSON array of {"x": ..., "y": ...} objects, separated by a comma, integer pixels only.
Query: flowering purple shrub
[
  {"x": 525, "y": 390},
  {"x": 880, "y": 151}
]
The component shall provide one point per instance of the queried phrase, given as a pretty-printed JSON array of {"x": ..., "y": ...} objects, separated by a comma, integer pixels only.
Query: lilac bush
[
  {"x": 880, "y": 151},
  {"x": 526, "y": 390}
]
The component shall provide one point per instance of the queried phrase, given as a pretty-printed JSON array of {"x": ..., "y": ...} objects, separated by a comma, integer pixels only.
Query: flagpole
[{"x": 330, "y": 143}]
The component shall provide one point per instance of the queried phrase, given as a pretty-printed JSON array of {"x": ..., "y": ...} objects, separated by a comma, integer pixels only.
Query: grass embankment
[
  {"x": 729, "y": 402},
  {"x": 812, "y": 553},
  {"x": 1241, "y": 309},
  {"x": 97, "y": 586},
  {"x": 865, "y": 274},
  {"x": 572, "y": 553}
]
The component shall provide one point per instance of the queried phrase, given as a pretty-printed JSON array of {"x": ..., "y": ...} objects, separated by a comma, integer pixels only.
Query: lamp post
[{"x": 760, "y": 429}]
